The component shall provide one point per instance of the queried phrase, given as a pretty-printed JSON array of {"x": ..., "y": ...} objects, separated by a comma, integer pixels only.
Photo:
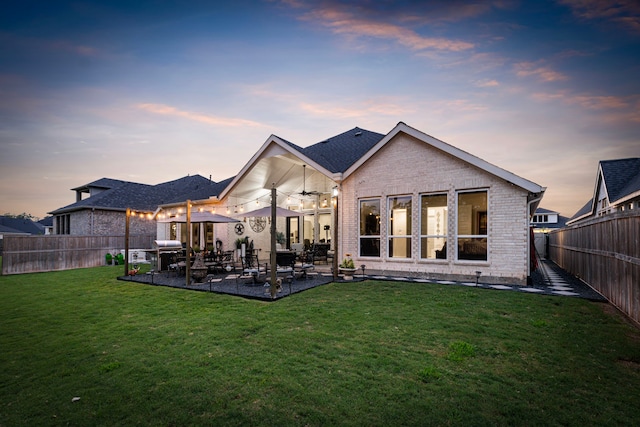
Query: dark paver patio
[{"x": 549, "y": 279}]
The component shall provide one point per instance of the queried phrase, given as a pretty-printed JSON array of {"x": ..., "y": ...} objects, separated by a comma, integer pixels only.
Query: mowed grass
[{"x": 81, "y": 348}]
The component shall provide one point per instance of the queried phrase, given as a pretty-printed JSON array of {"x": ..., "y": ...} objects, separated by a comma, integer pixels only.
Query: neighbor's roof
[
  {"x": 545, "y": 211},
  {"x": 104, "y": 183},
  {"x": 19, "y": 225},
  {"x": 147, "y": 197},
  {"x": 621, "y": 179}
]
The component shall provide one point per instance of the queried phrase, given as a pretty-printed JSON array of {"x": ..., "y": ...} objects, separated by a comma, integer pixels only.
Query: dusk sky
[{"x": 153, "y": 91}]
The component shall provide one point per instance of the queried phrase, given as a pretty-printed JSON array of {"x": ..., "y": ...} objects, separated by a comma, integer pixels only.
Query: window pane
[
  {"x": 472, "y": 214},
  {"x": 400, "y": 247},
  {"x": 433, "y": 226},
  {"x": 472, "y": 249},
  {"x": 433, "y": 247},
  {"x": 370, "y": 226},
  {"x": 370, "y": 247},
  {"x": 472, "y": 226},
  {"x": 434, "y": 215},
  {"x": 370, "y": 217},
  {"x": 400, "y": 227}
]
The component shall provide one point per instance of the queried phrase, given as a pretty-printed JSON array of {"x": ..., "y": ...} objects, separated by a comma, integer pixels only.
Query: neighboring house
[
  {"x": 544, "y": 221},
  {"x": 104, "y": 211},
  {"x": 617, "y": 188},
  {"x": 47, "y": 224},
  {"x": 10, "y": 226},
  {"x": 403, "y": 202},
  {"x": 19, "y": 226}
]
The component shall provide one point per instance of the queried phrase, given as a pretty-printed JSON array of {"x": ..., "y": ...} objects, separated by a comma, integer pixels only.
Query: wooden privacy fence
[
  {"x": 30, "y": 254},
  {"x": 605, "y": 253}
]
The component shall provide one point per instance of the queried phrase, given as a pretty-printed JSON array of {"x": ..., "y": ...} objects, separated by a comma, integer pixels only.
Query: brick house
[
  {"x": 403, "y": 202},
  {"x": 103, "y": 212}
]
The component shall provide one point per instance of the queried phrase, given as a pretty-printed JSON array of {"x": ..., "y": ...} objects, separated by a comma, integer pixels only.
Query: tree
[{"x": 23, "y": 215}]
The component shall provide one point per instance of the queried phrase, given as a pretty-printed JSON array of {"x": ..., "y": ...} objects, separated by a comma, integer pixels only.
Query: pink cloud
[
  {"x": 538, "y": 70},
  {"x": 620, "y": 12},
  {"x": 347, "y": 24},
  {"x": 198, "y": 117},
  {"x": 487, "y": 83}
]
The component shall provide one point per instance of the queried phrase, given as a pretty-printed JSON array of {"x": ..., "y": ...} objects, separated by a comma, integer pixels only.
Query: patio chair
[
  {"x": 227, "y": 261},
  {"x": 251, "y": 268},
  {"x": 306, "y": 263},
  {"x": 320, "y": 252}
]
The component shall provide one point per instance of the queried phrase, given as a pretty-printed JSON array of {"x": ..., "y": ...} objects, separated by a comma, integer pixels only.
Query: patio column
[
  {"x": 334, "y": 266},
  {"x": 126, "y": 242},
  {"x": 273, "y": 288},
  {"x": 187, "y": 261}
]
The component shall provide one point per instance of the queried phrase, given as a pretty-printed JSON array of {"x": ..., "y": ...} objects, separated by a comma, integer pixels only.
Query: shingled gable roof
[
  {"x": 340, "y": 156},
  {"x": 148, "y": 197},
  {"x": 104, "y": 183},
  {"x": 331, "y": 156},
  {"x": 621, "y": 179},
  {"x": 19, "y": 226},
  {"x": 451, "y": 150}
]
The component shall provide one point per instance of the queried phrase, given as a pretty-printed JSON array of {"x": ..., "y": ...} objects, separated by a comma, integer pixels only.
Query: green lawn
[{"x": 81, "y": 348}]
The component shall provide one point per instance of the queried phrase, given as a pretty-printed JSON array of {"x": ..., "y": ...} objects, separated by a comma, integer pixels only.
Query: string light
[{"x": 247, "y": 205}]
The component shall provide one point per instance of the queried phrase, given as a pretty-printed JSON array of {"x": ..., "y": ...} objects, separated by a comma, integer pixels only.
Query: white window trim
[
  {"x": 468, "y": 236},
  {"x": 390, "y": 236},
  {"x": 426, "y": 236},
  {"x": 360, "y": 236}
]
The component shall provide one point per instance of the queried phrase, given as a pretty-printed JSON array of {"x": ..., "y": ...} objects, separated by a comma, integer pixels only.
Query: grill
[{"x": 166, "y": 252}]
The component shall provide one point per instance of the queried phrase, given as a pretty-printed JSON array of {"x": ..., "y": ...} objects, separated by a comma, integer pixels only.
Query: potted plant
[
  {"x": 347, "y": 267},
  {"x": 280, "y": 238},
  {"x": 239, "y": 243}
]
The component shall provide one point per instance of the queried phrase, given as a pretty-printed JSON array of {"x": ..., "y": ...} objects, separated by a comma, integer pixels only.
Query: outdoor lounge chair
[
  {"x": 251, "y": 268},
  {"x": 320, "y": 252}
]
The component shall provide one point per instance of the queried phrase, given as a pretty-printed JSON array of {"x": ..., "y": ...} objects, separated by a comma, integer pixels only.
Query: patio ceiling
[{"x": 285, "y": 171}]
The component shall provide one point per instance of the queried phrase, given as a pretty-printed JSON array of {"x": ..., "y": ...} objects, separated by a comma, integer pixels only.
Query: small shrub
[
  {"x": 428, "y": 374},
  {"x": 108, "y": 367},
  {"x": 460, "y": 350},
  {"x": 539, "y": 323}
]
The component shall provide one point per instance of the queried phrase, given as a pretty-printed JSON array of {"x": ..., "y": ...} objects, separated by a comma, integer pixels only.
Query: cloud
[
  {"x": 625, "y": 13},
  {"x": 350, "y": 24},
  {"x": 487, "y": 83},
  {"x": 538, "y": 70},
  {"x": 197, "y": 117}
]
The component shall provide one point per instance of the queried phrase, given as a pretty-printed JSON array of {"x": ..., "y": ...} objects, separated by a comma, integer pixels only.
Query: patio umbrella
[{"x": 266, "y": 211}]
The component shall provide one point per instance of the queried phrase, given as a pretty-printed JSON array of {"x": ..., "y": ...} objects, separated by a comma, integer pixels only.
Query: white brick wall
[{"x": 406, "y": 166}]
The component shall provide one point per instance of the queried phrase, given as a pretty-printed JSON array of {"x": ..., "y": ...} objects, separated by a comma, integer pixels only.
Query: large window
[
  {"x": 369, "y": 228},
  {"x": 433, "y": 226},
  {"x": 399, "y": 229},
  {"x": 472, "y": 225}
]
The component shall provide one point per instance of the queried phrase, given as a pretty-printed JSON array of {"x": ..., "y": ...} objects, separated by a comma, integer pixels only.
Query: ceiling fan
[{"x": 304, "y": 184}]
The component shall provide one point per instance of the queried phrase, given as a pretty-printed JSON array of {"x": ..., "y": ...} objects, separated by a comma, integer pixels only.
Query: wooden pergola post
[
  {"x": 273, "y": 286},
  {"x": 187, "y": 261}
]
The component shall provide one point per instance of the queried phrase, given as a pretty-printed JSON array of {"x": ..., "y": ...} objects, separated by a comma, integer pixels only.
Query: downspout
[{"x": 536, "y": 199}]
